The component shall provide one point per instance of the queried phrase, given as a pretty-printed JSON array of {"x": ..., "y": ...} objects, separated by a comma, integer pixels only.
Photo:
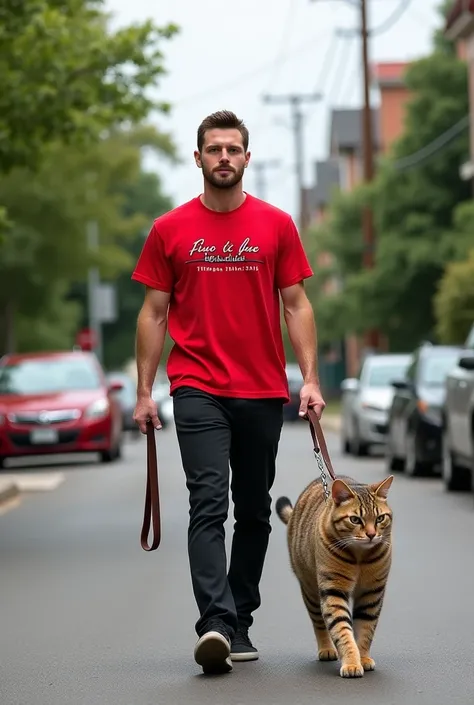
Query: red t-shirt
[{"x": 224, "y": 272}]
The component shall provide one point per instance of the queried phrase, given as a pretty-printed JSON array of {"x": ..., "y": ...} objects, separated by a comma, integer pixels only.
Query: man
[{"x": 214, "y": 269}]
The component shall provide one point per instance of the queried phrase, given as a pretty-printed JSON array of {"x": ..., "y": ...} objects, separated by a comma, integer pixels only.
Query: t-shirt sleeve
[
  {"x": 153, "y": 267},
  {"x": 292, "y": 263}
]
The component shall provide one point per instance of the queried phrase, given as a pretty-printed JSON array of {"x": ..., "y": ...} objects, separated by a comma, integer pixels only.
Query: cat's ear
[
  {"x": 380, "y": 489},
  {"x": 341, "y": 492}
]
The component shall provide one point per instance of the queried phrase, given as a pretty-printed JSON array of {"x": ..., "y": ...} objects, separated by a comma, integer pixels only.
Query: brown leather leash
[
  {"x": 152, "y": 513},
  {"x": 320, "y": 449}
]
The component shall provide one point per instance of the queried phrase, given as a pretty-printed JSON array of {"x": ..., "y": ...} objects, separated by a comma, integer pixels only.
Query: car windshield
[
  {"x": 383, "y": 375},
  {"x": 48, "y": 376},
  {"x": 435, "y": 368}
]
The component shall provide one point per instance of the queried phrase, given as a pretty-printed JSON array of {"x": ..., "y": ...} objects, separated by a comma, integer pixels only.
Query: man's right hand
[{"x": 146, "y": 410}]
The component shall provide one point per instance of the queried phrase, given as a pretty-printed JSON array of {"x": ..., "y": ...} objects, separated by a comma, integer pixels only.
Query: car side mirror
[
  {"x": 467, "y": 363},
  {"x": 401, "y": 384},
  {"x": 351, "y": 384}
]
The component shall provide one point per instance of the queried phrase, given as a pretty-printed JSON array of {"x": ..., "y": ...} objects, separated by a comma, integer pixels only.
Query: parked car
[
  {"x": 57, "y": 402},
  {"x": 161, "y": 394},
  {"x": 458, "y": 426},
  {"x": 295, "y": 382},
  {"x": 127, "y": 398},
  {"x": 416, "y": 414},
  {"x": 366, "y": 400}
]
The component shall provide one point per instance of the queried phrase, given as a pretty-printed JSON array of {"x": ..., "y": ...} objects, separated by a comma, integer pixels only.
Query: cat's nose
[{"x": 371, "y": 534}]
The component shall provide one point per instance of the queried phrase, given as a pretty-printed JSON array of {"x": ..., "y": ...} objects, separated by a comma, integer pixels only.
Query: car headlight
[{"x": 97, "y": 409}]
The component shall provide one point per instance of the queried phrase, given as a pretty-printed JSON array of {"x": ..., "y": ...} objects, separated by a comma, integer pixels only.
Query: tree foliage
[
  {"x": 75, "y": 97},
  {"x": 65, "y": 75},
  {"x": 47, "y": 248},
  {"x": 412, "y": 198},
  {"x": 454, "y": 301}
]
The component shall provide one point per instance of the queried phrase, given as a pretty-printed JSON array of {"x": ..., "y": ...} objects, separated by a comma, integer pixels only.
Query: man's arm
[
  {"x": 150, "y": 339},
  {"x": 299, "y": 318}
]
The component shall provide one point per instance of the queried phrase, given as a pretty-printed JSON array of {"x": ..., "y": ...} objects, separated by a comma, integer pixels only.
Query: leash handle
[
  {"x": 152, "y": 512},
  {"x": 319, "y": 442}
]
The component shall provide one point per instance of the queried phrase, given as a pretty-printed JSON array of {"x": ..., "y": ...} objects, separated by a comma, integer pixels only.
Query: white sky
[{"x": 228, "y": 54}]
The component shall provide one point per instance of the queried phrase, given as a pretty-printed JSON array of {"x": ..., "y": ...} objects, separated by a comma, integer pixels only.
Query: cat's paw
[
  {"x": 327, "y": 655},
  {"x": 352, "y": 670},
  {"x": 368, "y": 663}
]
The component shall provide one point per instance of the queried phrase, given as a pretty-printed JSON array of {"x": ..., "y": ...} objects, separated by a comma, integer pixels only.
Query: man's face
[{"x": 223, "y": 158}]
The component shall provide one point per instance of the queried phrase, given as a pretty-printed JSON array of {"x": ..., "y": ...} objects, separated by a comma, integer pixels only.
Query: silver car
[{"x": 366, "y": 402}]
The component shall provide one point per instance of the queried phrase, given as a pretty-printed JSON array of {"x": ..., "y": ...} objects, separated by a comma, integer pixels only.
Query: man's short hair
[{"x": 222, "y": 120}]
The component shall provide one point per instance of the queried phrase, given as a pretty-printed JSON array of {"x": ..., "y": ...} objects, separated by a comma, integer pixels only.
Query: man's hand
[
  {"x": 311, "y": 397},
  {"x": 146, "y": 410}
]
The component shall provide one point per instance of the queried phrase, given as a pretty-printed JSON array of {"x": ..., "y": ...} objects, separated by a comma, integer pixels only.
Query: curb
[{"x": 8, "y": 491}]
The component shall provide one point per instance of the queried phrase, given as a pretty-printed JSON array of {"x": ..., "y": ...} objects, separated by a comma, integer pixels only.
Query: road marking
[
  {"x": 36, "y": 482},
  {"x": 10, "y": 504}
]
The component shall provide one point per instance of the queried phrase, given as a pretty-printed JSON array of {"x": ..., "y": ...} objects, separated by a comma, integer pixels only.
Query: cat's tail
[{"x": 284, "y": 509}]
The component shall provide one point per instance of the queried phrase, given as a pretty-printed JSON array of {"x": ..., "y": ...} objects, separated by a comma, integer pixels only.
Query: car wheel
[
  {"x": 109, "y": 456},
  {"x": 345, "y": 446},
  {"x": 357, "y": 446},
  {"x": 413, "y": 466},
  {"x": 392, "y": 461},
  {"x": 455, "y": 477}
]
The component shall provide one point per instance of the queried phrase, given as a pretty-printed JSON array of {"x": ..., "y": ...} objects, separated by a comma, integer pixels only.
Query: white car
[
  {"x": 366, "y": 401},
  {"x": 161, "y": 394}
]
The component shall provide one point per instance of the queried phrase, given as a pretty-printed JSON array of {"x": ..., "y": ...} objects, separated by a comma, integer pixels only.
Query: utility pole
[
  {"x": 94, "y": 288},
  {"x": 260, "y": 175},
  {"x": 296, "y": 100},
  {"x": 371, "y": 337}
]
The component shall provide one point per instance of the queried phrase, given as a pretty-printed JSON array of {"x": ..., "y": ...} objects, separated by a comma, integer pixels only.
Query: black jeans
[{"x": 212, "y": 432}]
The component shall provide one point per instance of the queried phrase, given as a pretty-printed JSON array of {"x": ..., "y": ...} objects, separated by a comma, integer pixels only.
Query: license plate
[{"x": 44, "y": 435}]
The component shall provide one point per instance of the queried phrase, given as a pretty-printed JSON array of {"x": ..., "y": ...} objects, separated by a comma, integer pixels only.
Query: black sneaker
[
  {"x": 242, "y": 648},
  {"x": 212, "y": 651}
]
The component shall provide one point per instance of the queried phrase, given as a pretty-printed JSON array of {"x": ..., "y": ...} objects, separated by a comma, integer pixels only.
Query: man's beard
[{"x": 223, "y": 182}]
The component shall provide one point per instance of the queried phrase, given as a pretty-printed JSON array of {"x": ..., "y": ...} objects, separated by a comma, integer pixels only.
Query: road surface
[{"x": 88, "y": 618}]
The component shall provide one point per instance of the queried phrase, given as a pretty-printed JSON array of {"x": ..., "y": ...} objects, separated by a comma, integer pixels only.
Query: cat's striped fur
[{"x": 340, "y": 551}]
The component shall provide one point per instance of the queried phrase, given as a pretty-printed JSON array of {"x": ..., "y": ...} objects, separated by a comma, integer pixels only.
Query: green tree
[
  {"x": 47, "y": 247},
  {"x": 413, "y": 199},
  {"x": 144, "y": 197},
  {"x": 454, "y": 302},
  {"x": 65, "y": 75},
  {"x": 454, "y": 299}
]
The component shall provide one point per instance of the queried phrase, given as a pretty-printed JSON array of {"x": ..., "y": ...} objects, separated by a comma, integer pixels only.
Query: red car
[{"x": 57, "y": 403}]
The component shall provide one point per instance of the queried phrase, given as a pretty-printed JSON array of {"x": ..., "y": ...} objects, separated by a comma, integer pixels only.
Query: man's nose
[{"x": 224, "y": 156}]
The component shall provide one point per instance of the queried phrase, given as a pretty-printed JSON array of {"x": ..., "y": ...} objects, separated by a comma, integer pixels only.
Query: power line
[
  {"x": 435, "y": 147},
  {"x": 231, "y": 83},
  {"x": 392, "y": 19}
]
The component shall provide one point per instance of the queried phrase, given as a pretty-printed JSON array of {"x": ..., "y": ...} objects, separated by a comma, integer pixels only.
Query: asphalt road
[{"x": 88, "y": 618}]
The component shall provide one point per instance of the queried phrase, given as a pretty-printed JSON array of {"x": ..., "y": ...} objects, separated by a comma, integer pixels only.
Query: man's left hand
[{"x": 311, "y": 398}]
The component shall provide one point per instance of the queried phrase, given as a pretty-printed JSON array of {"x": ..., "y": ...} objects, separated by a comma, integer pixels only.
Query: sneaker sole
[
  {"x": 251, "y": 656},
  {"x": 212, "y": 653}
]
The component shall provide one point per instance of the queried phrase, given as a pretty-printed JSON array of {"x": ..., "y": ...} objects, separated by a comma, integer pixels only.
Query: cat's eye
[
  {"x": 356, "y": 520},
  {"x": 380, "y": 518}
]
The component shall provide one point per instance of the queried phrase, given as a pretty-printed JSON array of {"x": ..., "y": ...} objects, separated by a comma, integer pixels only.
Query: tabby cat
[{"x": 340, "y": 551}]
